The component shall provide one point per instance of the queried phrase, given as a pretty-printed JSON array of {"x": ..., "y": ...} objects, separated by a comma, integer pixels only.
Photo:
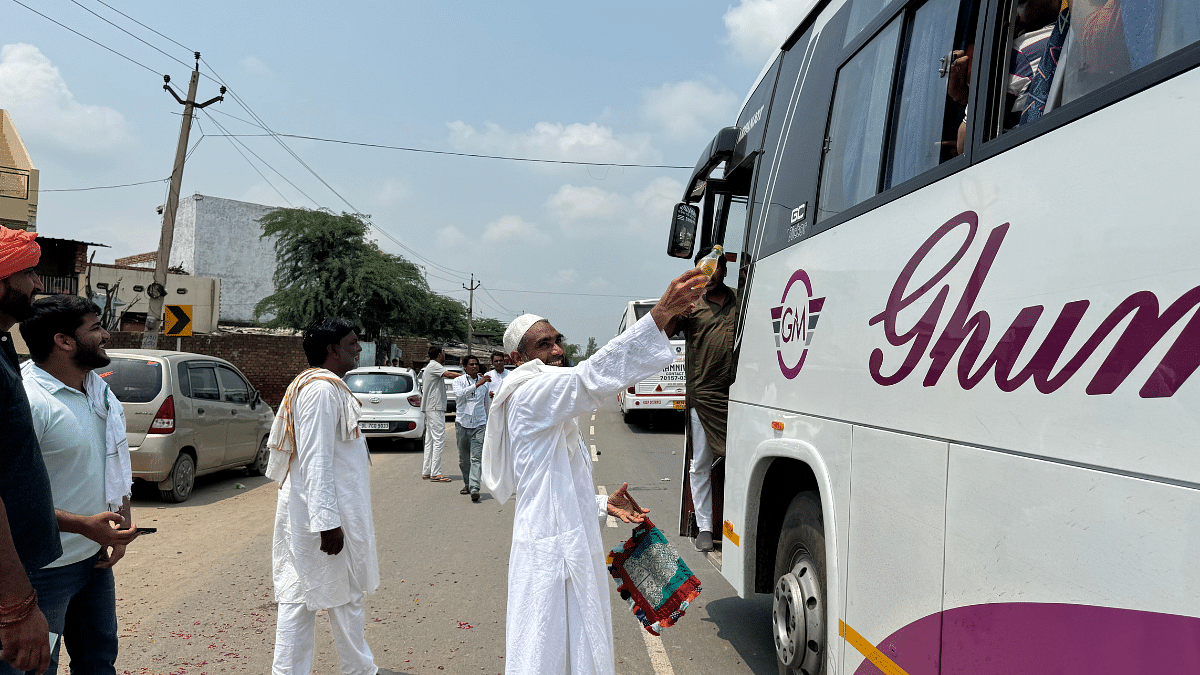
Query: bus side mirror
[{"x": 683, "y": 231}]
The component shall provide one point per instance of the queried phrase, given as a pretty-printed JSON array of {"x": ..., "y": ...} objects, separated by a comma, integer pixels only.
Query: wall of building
[
  {"x": 219, "y": 238},
  {"x": 18, "y": 179},
  {"x": 202, "y": 293}
]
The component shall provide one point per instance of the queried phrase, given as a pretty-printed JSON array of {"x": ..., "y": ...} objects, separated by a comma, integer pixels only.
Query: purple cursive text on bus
[{"x": 969, "y": 331}]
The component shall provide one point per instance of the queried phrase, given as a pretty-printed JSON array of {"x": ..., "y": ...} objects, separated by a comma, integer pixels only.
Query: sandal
[
  {"x": 439, "y": 479},
  {"x": 424, "y": 476},
  {"x": 465, "y": 491}
]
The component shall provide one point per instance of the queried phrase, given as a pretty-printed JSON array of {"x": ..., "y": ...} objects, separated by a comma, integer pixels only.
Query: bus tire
[{"x": 798, "y": 612}]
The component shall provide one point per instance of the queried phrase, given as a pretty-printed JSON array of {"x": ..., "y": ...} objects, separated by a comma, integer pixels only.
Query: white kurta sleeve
[
  {"x": 634, "y": 355},
  {"x": 316, "y": 416}
]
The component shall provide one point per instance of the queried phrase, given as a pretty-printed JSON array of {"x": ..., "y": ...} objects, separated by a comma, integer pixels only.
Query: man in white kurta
[
  {"x": 559, "y": 619},
  {"x": 324, "y": 544}
]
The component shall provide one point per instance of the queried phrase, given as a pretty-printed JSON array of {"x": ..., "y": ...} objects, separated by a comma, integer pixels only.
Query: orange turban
[{"x": 18, "y": 251}]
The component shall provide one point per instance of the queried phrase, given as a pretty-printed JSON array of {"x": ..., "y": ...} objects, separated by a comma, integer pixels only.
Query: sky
[{"x": 646, "y": 83}]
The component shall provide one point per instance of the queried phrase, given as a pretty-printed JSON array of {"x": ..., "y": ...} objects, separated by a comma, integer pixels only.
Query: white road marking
[
  {"x": 612, "y": 522},
  {"x": 593, "y": 418},
  {"x": 595, "y": 455},
  {"x": 592, "y": 430},
  {"x": 658, "y": 655}
]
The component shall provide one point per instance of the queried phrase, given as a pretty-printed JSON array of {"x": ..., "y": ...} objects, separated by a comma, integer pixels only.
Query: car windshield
[
  {"x": 379, "y": 383},
  {"x": 133, "y": 380}
]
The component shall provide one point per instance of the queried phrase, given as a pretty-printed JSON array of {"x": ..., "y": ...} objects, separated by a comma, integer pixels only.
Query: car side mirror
[
  {"x": 683, "y": 231},
  {"x": 255, "y": 397}
]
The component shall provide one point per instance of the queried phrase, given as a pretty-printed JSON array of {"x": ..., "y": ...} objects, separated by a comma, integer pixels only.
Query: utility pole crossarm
[{"x": 158, "y": 290}]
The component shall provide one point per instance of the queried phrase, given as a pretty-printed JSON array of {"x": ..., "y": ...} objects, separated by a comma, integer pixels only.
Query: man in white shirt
[
  {"x": 470, "y": 422},
  {"x": 80, "y": 427},
  {"x": 323, "y": 556},
  {"x": 559, "y": 620},
  {"x": 433, "y": 403},
  {"x": 497, "y": 374}
]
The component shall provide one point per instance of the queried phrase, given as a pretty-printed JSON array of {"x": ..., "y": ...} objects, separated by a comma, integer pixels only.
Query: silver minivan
[{"x": 187, "y": 415}]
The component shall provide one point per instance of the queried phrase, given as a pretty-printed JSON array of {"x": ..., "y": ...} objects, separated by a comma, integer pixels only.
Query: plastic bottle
[{"x": 708, "y": 264}]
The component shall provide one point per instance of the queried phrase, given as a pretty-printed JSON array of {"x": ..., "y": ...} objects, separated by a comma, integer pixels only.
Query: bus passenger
[{"x": 709, "y": 324}]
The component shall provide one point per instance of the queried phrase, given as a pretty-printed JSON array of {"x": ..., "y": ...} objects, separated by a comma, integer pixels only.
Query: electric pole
[
  {"x": 470, "y": 313},
  {"x": 158, "y": 290}
]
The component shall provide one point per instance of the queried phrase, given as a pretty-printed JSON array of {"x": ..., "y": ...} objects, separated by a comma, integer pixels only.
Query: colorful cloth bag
[{"x": 652, "y": 578}]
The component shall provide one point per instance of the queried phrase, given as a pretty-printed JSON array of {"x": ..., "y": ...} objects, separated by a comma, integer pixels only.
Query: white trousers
[
  {"x": 435, "y": 441},
  {"x": 295, "y": 638},
  {"x": 701, "y": 474}
]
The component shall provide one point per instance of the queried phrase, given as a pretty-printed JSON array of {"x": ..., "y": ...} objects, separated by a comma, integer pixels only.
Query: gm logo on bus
[{"x": 793, "y": 323}]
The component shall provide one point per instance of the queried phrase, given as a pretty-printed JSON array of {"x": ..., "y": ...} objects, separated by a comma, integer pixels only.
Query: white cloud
[
  {"x": 42, "y": 106},
  {"x": 566, "y": 277},
  {"x": 392, "y": 192},
  {"x": 548, "y": 140},
  {"x": 689, "y": 110},
  {"x": 451, "y": 237},
  {"x": 653, "y": 204},
  {"x": 590, "y": 213},
  {"x": 253, "y": 66},
  {"x": 756, "y": 28},
  {"x": 509, "y": 230},
  {"x": 583, "y": 212}
]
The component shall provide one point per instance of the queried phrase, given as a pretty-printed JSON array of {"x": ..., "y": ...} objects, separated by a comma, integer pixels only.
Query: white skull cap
[{"x": 517, "y": 329}]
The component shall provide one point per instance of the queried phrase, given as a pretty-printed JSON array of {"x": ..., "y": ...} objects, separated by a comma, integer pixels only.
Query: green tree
[
  {"x": 487, "y": 325},
  {"x": 572, "y": 352},
  {"x": 327, "y": 267},
  {"x": 591, "y": 348}
]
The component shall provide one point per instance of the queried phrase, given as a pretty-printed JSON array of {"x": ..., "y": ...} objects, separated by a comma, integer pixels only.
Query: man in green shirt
[{"x": 709, "y": 325}]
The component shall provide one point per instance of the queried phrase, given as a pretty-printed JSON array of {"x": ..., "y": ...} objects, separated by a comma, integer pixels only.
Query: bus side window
[
  {"x": 931, "y": 94},
  {"x": 853, "y": 146},
  {"x": 1109, "y": 39}
]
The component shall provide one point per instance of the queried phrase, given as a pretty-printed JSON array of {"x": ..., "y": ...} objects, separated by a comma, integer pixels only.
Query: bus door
[{"x": 729, "y": 218}]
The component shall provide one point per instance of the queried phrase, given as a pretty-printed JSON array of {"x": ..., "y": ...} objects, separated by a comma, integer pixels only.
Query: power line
[
  {"x": 285, "y": 178},
  {"x": 471, "y": 154},
  {"x": 137, "y": 63},
  {"x": 501, "y": 305},
  {"x": 252, "y": 166},
  {"x": 141, "y": 24},
  {"x": 76, "y": 2},
  {"x": 586, "y": 295},
  {"x": 297, "y": 157},
  {"x": 104, "y": 187}
]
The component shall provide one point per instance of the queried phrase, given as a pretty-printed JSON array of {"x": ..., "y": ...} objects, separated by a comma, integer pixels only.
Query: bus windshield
[{"x": 642, "y": 310}]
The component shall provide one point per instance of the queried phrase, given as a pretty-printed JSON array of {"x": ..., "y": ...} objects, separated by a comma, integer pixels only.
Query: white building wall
[{"x": 219, "y": 238}]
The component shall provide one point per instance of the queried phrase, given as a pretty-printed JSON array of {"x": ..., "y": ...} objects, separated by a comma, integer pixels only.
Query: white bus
[
  {"x": 657, "y": 393},
  {"x": 964, "y": 435}
]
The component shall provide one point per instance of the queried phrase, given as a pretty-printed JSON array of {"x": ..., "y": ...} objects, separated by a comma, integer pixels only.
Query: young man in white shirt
[
  {"x": 470, "y": 423},
  {"x": 433, "y": 403},
  {"x": 73, "y": 411},
  {"x": 497, "y": 374}
]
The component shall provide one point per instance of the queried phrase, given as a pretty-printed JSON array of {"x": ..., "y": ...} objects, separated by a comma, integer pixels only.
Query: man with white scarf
[
  {"x": 559, "y": 620},
  {"x": 80, "y": 426},
  {"x": 324, "y": 545}
]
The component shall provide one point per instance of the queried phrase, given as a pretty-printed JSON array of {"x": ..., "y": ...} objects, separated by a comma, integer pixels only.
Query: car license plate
[
  {"x": 373, "y": 426},
  {"x": 679, "y": 405}
]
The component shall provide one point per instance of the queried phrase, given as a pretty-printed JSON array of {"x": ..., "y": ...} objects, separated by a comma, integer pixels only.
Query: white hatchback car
[{"x": 391, "y": 402}]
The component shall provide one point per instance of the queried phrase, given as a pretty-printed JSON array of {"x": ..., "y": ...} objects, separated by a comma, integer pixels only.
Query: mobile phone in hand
[{"x": 146, "y": 530}]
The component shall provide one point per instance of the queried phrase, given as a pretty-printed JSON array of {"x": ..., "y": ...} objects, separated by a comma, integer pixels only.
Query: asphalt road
[{"x": 195, "y": 598}]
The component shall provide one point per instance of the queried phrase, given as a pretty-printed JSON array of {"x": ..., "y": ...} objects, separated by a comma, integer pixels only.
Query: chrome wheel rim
[{"x": 796, "y": 614}]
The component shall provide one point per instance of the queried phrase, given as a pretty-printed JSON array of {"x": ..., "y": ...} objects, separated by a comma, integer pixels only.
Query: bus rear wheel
[{"x": 798, "y": 616}]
